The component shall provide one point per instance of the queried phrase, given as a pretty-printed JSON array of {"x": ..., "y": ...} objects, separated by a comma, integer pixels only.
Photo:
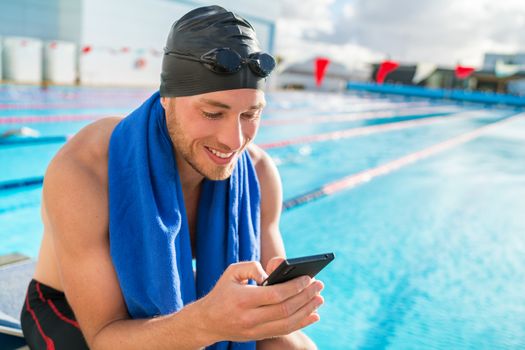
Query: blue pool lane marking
[
  {"x": 354, "y": 180},
  {"x": 27, "y": 182},
  {"x": 32, "y": 140}
]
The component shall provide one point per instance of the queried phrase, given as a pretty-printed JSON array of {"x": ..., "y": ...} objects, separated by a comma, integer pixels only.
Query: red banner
[
  {"x": 463, "y": 72},
  {"x": 385, "y": 68},
  {"x": 320, "y": 69}
]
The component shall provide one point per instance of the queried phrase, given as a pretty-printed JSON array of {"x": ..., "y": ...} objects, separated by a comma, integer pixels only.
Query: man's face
[{"x": 209, "y": 131}]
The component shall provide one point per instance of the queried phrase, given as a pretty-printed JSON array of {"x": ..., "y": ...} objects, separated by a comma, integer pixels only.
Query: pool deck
[
  {"x": 11, "y": 259},
  {"x": 16, "y": 270}
]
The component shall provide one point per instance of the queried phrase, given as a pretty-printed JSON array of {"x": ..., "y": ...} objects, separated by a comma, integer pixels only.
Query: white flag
[
  {"x": 423, "y": 71},
  {"x": 503, "y": 69}
]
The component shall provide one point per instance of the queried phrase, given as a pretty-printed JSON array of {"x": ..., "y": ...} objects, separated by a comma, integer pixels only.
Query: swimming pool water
[
  {"x": 432, "y": 255},
  {"x": 429, "y": 256}
]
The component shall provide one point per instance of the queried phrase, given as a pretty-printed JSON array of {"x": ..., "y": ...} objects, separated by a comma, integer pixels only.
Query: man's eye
[{"x": 211, "y": 115}]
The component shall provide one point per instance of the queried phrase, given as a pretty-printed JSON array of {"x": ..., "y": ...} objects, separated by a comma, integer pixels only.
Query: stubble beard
[{"x": 187, "y": 150}]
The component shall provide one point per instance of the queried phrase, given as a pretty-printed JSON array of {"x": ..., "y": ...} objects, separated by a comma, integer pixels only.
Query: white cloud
[
  {"x": 445, "y": 32},
  {"x": 348, "y": 11},
  {"x": 302, "y": 22}
]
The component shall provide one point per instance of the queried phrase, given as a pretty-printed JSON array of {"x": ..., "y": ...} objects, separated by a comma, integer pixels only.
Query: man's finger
[
  {"x": 277, "y": 293},
  {"x": 273, "y": 263},
  {"x": 305, "y": 316},
  {"x": 250, "y": 270},
  {"x": 290, "y": 306}
]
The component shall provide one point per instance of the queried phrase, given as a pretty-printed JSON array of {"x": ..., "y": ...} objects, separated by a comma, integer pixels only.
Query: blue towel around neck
[{"x": 148, "y": 229}]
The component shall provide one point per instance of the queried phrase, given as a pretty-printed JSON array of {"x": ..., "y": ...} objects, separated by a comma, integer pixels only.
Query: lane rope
[
  {"x": 52, "y": 118},
  {"x": 307, "y": 139},
  {"x": 367, "y": 130},
  {"x": 351, "y": 116},
  {"x": 312, "y": 138},
  {"x": 354, "y": 180},
  {"x": 352, "y": 132},
  {"x": 357, "y": 116}
]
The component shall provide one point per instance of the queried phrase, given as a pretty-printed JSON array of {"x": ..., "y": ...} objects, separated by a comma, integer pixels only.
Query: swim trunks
[{"x": 48, "y": 321}]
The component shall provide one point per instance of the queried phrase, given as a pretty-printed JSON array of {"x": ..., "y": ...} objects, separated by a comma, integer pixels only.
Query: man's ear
[
  {"x": 164, "y": 102},
  {"x": 167, "y": 102}
]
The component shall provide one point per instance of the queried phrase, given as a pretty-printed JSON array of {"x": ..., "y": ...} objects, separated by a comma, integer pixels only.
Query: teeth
[{"x": 220, "y": 154}]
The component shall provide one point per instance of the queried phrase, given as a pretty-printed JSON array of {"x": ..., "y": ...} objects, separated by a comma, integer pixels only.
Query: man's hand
[
  {"x": 236, "y": 311},
  {"x": 293, "y": 341}
]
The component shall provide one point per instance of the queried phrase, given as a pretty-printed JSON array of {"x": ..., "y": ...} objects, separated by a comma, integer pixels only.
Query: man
[{"x": 154, "y": 224}]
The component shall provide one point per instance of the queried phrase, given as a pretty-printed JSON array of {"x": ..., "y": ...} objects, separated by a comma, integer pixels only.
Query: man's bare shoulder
[
  {"x": 80, "y": 167},
  {"x": 90, "y": 145},
  {"x": 75, "y": 197},
  {"x": 87, "y": 151}
]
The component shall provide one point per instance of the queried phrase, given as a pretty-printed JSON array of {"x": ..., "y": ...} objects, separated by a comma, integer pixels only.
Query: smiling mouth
[{"x": 218, "y": 156}]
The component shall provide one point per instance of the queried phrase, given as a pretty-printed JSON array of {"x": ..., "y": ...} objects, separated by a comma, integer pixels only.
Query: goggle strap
[{"x": 252, "y": 61}]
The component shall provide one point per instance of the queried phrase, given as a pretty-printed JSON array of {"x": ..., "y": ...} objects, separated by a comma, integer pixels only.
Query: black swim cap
[{"x": 198, "y": 32}]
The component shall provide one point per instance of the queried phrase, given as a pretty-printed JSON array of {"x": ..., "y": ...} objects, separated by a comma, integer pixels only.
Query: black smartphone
[{"x": 292, "y": 268}]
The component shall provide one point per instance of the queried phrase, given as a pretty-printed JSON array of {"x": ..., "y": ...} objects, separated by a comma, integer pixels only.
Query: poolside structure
[
  {"x": 300, "y": 76},
  {"x": 500, "y": 73}
]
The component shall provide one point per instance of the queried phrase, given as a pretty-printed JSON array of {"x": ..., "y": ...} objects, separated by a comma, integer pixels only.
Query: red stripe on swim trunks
[
  {"x": 54, "y": 308},
  {"x": 50, "y": 345}
]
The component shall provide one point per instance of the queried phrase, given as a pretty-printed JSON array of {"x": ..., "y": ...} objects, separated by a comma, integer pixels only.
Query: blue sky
[{"x": 444, "y": 32}]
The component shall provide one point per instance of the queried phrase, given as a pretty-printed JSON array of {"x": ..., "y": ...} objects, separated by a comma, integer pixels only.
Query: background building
[
  {"x": 501, "y": 73},
  {"x": 115, "y": 43},
  {"x": 301, "y": 76},
  {"x": 441, "y": 77}
]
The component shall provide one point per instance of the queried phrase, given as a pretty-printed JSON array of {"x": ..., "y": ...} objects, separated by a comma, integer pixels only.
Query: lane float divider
[
  {"x": 51, "y": 118},
  {"x": 304, "y": 139},
  {"x": 367, "y": 130},
  {"x": 354, "y": 180},
  {"x": 357, "y": 116},
  {"x": 312, "y": 138},
  {"x": 309, "y": 119},
  {"x": 132, "y": 100},
  {"x": 357, "y": 107},
  {"x": 43, "y": 106}
]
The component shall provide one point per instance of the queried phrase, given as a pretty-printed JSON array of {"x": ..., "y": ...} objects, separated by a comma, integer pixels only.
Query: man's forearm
[{"x": 176, "y": 331}]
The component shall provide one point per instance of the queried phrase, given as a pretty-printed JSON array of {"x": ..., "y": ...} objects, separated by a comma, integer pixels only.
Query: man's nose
[{"x": 231, "y": 134}]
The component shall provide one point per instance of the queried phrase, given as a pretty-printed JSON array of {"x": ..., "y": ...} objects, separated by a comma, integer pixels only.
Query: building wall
[
  {"x": 32, "y": 18},
  {"x": 41, "y": 19},
  {"x": 121, "y": 36},
  {"x": 307, "y": 82},
  {"x": 124, "y": 39},
  {"x": 517, "y": 87},
  {"x": 146, "y": 24},
  {"x": 489, "y": 62},
  {"x": 70, "y": 20}
]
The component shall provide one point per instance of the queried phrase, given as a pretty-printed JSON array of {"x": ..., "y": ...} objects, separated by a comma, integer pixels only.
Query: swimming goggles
[{"x": 227, "y": 61}]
